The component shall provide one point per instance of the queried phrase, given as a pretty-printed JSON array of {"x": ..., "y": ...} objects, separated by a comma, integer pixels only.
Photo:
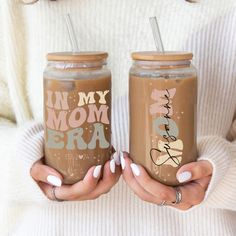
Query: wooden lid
[
  {"x": 77, "y": 57},
  {"x": 158, "y": 56}
]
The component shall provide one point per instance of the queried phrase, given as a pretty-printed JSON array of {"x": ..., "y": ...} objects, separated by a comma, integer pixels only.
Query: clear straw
[
  {"x": 156, "y": 34},
  {"x": 71, "y": 33}
]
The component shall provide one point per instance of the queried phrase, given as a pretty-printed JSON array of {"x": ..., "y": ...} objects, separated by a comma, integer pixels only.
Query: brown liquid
[
  {"x": 82, "y": 138},
  {"x": 163, "y": 125}
]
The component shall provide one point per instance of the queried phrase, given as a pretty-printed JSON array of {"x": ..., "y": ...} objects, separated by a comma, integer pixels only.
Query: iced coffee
[
  {"x": 77, "y": 112},
  {"x": 163, "y": 103}
]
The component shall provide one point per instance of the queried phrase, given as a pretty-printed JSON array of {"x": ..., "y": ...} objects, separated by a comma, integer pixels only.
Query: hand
[
  {"x": 91, "y": 187},
  {"x": 197, "y": 176}
]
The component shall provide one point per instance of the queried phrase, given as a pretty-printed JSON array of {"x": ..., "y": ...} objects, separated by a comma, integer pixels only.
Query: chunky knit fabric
[{"x": 28, "y": 32}]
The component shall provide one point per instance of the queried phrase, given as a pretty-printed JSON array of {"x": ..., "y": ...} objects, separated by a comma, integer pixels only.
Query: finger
[
  {"x": 192, "y": 193},
  {"x": 204, "y": 182},
  {"x": 83, "y": 187},
  {"x": 152, "y": 186},
  {"x": 182, "y": 207},
  {"x": 46, "y": 174},
  {"x": 194, "y": 170},
  {"x": 47, "y": 190},
  {"x": 111, "y": 175},
  {"x": 134, "y": 185}
]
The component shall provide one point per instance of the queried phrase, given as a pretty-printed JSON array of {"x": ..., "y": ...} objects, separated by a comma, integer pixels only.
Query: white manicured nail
[
  {"x": 184, "y": 176},
  {"x": 122, "y": 160},
  {"x": 55, "y": 181},
  {"x": 97, "y": 171},
  {"x": 112, "y": 166},
  {"x": 116, "y": 157},
  {"x": 135, "y": 169}
]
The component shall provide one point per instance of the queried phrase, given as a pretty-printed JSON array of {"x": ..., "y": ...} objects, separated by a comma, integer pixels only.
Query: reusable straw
[
  {"x": 156, "y": 34},
  {"x": 71, "y": 33}
]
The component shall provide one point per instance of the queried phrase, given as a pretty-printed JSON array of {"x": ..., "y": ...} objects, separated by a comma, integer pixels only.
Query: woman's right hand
[{"x": 91, "y": 187}]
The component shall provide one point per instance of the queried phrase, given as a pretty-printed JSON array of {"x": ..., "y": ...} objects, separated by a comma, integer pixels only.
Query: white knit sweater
[{"x": 28, "y": 32}]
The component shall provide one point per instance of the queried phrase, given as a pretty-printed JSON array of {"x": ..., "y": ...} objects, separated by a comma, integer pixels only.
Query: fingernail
[
  {"x": 135, "y": 169},
  {"x": 122, "y": 160},
  {"x": 184, "y": 176},
  {"x": 116, "y": 157},
  {"x": 112, "y": 166},
  {"x": 97, "y": 171},
  {"x": 55, "y": 181}
]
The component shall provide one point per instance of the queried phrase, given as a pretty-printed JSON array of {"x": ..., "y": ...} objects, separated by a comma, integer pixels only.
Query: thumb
[
  {"x": 194, "y": 171},
  {"x": 46, "y": 174}
]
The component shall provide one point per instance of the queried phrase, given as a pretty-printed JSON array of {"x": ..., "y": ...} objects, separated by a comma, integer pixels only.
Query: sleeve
[
  {"x": 216, "y": 107},
  {"x": 221, "y": 192},
  {"x": 21, "y": 147},
  {"x": 219, "y": 148}
]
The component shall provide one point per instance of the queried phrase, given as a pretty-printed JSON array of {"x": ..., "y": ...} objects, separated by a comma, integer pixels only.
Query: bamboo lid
[
  {"x": 158, "y": 56},
  {"x": 77, "y": 57}
]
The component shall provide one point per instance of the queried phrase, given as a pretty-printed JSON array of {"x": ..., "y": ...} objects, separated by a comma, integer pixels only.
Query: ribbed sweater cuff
[
  {"x": 30, "y": 148},
  {"x": 221, "y": 154},
  {"x": 216, "y": 151}
]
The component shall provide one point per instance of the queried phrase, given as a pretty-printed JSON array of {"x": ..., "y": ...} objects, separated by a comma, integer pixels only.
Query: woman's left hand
[{"x": 197, "y": 176}]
